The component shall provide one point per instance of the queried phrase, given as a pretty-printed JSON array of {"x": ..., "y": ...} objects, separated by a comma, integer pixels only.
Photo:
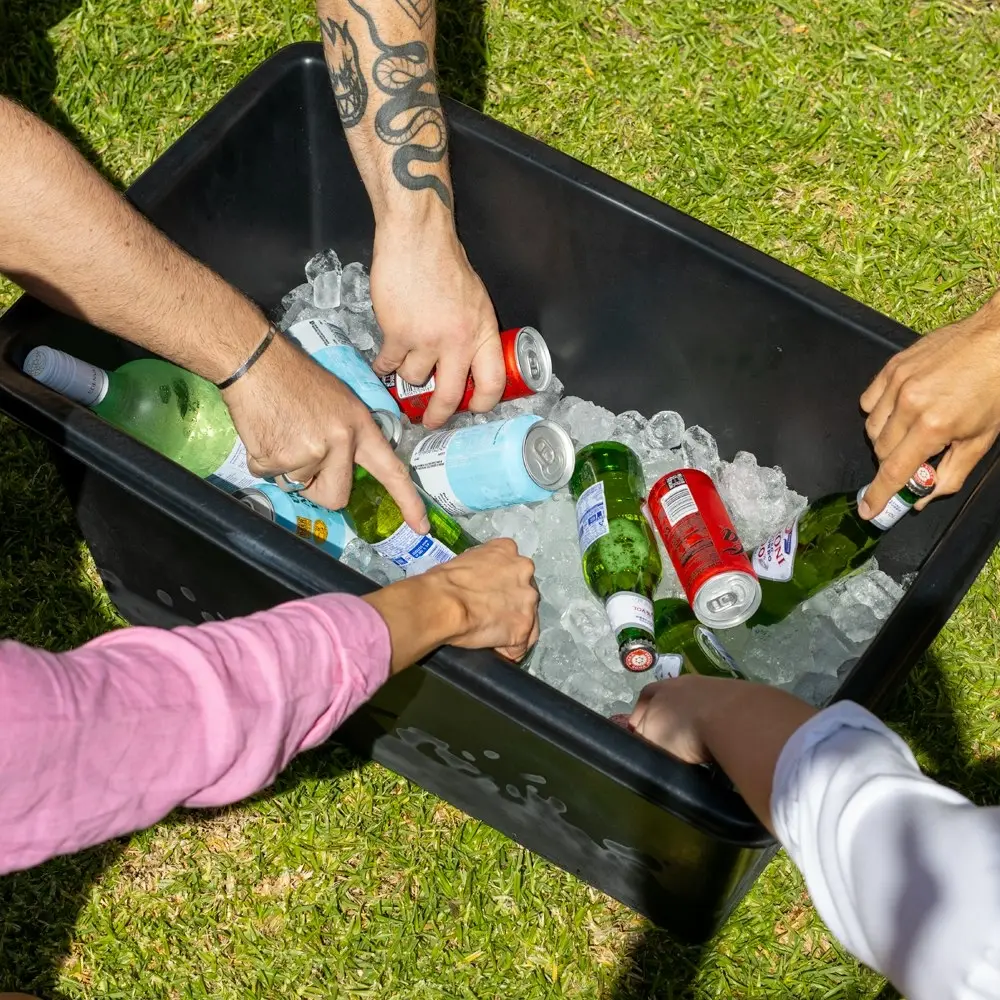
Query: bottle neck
[{"x": 80, "y": 381}]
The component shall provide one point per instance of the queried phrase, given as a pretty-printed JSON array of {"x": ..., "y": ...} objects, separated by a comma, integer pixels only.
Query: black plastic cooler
[{"x": 643, "y": 307}]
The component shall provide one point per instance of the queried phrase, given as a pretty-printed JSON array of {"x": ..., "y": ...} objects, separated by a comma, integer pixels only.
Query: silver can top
[
  {"x": 727, "y": 600},
  {"x": 390, "y": 425},
  {"x": 549, "y": 455},
  {"x": 258, "y": 501},
  {"x": 534, "y": 361}
]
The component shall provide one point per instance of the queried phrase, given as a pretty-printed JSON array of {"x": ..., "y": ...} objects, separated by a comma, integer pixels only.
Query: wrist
[{"x": 416, "y": 218}]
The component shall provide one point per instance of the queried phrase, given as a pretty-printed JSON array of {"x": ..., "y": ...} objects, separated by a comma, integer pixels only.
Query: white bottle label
[
  {"x": 591, "y": 516},
  {"x": 894, "y": 511},
  {"x": 775, "y": 558},
  {"x": 314, "y": 334},
  {"x": 677, "y": 504},
  {"x": 428, "y": 462},
  {"x": 668, "y": 665},
  {"x": 404, "y": 390},
  {"x": 414, "y": 553},
  {"x": 234, "y": 471},
  {"x": 628, "y": 610}
]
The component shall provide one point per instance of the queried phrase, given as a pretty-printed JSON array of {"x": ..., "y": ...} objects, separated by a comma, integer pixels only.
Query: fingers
[
  {"x": 392, "y": 355},
  {"x": 893, "y": 474},
  {"x": 953, "y": 469},
  {"x": 332, "y": 486},
  {"x": 450, "y": 379},
  {"x": 417, "y": 367},
  {"x": 876, "y": 388},
  {"x": 375, "y": 455},
  {"x": 489, "y": 375}
]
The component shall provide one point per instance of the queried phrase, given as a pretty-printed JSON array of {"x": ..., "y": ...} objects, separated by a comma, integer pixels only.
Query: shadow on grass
[
  {"x": 28, "y": 71},
  {"x": 461, "y": 50}
]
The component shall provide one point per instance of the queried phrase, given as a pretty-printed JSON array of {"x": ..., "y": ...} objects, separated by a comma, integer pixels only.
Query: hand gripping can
[
  {"x": 497, "y": 464},
  {"x": 529, "y": 370},
  {"x": 326, "y": 529},
  {"x": 705, "y": 549}
]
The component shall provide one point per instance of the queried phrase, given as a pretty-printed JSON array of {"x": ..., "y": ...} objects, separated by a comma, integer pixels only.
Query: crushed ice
[{"x": 808, "y": 653}]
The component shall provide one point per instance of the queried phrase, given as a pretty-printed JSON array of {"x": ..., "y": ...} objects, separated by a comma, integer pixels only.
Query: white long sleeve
[{"x": 905, "y": 872}]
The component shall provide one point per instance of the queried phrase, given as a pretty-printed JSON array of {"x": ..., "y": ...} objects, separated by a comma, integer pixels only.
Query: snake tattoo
[
  {"x": 411, "y": 117},
  {"x": 349, "y": 88}
]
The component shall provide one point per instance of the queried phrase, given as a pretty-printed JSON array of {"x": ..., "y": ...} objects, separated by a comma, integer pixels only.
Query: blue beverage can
[
  {"x": 326, "y": 529},
  {"x": 497, "y": 464},
  {"x": 331, "y": 348}
]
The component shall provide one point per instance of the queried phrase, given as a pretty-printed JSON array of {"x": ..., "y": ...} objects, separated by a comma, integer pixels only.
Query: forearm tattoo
[
  {"x": 350, "y": 90},
  {"x": 411, "y": 117}
]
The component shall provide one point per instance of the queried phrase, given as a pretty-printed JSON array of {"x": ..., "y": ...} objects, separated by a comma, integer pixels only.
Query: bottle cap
[
  {"x": 637, "y": 655},
  {"x": 922, "y": 481},
  {"x": 80, "y": 381}
]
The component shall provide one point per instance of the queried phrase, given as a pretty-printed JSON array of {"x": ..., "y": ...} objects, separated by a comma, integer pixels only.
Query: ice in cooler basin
[{"x": 577, "y": 653}]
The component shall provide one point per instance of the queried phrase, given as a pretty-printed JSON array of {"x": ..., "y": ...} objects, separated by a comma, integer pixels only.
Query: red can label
[
  {"x": 414, "y": 399},
  {"x": 697, "y": 531}
]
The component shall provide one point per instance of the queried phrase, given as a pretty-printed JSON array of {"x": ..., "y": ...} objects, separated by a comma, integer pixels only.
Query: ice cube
[
  {"x": 301, "y": 293},
  {"x": 555, "y": 657},
  {"x": 780, "y": 653},
  {"x": 629, "y": 424},
  {"x": 325, "y": 262},
  {"x": 585, "y": 422},
  {"x": 877, "y": 591},
  {"x": 856, "y": 621},
  {"x": 815, "y": 688},
  {"x": 586, "y": 621},
  {"x": 360, "y": 556},
  {"x": 664, "y": 431},
  {"x": 326, "y": 290},
  {"x": 657, "y": 467},
  {"x": 412, "y": 433},
  {"x": 517, "y": 522},
  {"x": 355, "y": 290},
  {"x": 702, "y": 450},
  {"x": 830, "y": 645}
]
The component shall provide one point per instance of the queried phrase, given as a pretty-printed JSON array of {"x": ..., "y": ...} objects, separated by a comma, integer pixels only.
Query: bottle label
[
  {"x": 775, "y": 558},
  {"x": 678, "y": 503},
  {"x": 668, "y": 665},
  {"x": 233, "y": 474},
  {"x": 628, "y": 610},
  {"x": 428, "y": 461},
  {"x": 591, "y": 516},
  {"x": 404, "y": 389},
  {"x": 894, "y": 511},
  {"x": 714, "y": 650},
  {"x": 414, "y": 553}
]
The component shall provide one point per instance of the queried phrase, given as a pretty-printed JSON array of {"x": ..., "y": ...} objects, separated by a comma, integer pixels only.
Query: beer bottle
[
  {"x": 685, "y": 646},
  {"x": 829, "y": 540},
  {"x": 621, "y": 562}
]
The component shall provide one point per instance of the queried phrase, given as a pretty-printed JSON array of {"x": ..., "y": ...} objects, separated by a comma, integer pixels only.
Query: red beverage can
[
  {"x": 705, "y": 549},
  {"x": 529, "y": 370}
]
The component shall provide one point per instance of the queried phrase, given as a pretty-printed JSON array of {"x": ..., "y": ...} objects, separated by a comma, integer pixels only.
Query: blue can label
[{"x": 332, "y": 349}]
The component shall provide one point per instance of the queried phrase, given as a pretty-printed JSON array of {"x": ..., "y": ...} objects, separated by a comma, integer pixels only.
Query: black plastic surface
[{"x": 643, "y": 307}]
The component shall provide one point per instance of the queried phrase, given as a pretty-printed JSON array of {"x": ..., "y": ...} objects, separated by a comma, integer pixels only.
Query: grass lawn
[{"x": 854, "y": 139}]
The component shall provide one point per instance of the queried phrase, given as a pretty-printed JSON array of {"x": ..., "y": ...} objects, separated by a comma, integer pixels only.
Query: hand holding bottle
[
  {"x": 299, "y": 420},
  {"x": 943, "y": 392},
  {"x": 484, "y": 598}
]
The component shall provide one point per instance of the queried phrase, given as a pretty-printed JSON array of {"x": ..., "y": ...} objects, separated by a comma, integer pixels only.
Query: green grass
[{"x": 855, "y": 140}]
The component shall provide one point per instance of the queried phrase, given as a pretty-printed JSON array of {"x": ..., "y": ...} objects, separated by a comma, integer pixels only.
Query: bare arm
[
  {"x": 432, "y": 307},
  {"x": 743, "y": 727},
  {"x": 73, "y": 241}
]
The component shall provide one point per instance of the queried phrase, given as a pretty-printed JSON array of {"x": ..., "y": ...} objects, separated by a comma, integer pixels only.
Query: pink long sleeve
[{"x": 108, "y": 738}]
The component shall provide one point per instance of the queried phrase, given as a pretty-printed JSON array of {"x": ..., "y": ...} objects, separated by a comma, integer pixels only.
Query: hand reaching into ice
[
  {"x": 436, "y": 316},
  {"x": 298, "y": 419},
  {"x": 943, "y": 392}
]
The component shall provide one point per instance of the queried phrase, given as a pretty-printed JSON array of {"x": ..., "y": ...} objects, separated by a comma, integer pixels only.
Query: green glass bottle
[
  {"x": 376, "y": 519},
  {"x": 621, "y": 562},
  {"x": 173, "y": 411},
  {"x": 685, "y": 646},
  {"x": 829, "y": 541}
]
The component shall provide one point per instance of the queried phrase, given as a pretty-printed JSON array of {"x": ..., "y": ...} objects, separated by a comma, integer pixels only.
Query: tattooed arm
[{"x": 431, "y": 304}]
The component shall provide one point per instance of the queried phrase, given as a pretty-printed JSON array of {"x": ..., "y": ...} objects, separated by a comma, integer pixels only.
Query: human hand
[
  {"x": 297, "y": 419},
  {"x": 668, "y": 713},
  {"x": 484, "y": 598},
  {"x": 942, "y": 392},
  {"x": 436, "y": 316}
]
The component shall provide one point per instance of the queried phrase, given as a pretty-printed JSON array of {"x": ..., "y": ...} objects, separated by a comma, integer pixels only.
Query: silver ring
[{"x": 287, "y": 485}]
